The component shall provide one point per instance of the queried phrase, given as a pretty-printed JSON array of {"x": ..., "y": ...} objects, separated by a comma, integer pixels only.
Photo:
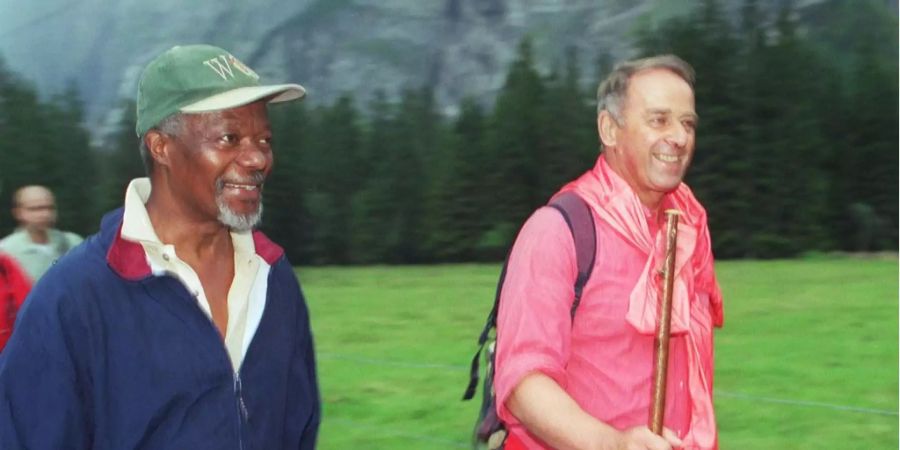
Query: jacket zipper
[{"x": 241, "y": 408}]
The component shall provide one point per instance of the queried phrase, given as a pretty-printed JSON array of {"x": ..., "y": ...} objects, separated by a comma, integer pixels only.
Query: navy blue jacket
[{"x": 106, "y": 355}]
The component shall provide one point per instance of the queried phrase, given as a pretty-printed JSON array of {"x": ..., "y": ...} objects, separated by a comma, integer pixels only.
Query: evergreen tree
[
  {"x": 459, "y": 200},
  {"x": 70, "y": 165},
  {"x": 869, "y": 162},
  {"x": 120, "y": 161},
  {"x": 24, "y": 142},
  {"x": 44, "y": 143},
  {"x": 9, "y": 152},
  {"x": 390, "y": 210},
  {"x": 287, "y": 218},
  {"x": 514, "y": 146},
  {"x": 372, "y": 204},
  {"x": 796, "y": 146},
  {"x": 570, "y": 144},
  {"x": 334, "y": 178},
  {"x": 410, "y": 152},
  {"x": 754, "y": 99}
]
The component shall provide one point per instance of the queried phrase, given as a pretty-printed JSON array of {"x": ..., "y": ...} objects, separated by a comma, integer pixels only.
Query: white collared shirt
[{"x": 247, "y": 294}]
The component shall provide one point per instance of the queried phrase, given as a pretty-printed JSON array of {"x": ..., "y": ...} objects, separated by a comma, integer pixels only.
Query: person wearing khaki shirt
[{"x": 36, "y": 245}]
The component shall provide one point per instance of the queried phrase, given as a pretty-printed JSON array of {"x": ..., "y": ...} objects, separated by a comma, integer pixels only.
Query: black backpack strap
[
  {"x": 578, "y": 217},
  {"x": 489, "y": 325},
  {"x": 581, "y": 223}
]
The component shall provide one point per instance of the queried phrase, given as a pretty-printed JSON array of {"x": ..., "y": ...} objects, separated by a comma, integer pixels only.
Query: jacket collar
[{"x": 128, "y": 259}]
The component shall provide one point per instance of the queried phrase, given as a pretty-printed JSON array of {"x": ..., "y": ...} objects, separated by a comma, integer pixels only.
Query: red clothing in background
[{"x": 14, "y": 287}]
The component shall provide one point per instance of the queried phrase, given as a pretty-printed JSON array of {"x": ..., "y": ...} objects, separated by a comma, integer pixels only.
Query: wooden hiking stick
[{"x": 658, "y": 407}]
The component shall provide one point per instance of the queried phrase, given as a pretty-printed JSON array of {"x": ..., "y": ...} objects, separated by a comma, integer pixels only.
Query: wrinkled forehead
[{"x": 660, "y": 89}]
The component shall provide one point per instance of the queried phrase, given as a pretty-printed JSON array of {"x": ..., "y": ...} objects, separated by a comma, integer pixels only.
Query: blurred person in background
[
  {"x": 14, "y": 287},
  {"x": 35, "y": 244},
  {"x": 584, "y": 381},
  {"x": 177, "y": 325}
]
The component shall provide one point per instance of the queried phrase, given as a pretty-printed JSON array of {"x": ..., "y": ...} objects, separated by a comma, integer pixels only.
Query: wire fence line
[
  {"x": 718, "y": 392},
  {"x": 812, "y": 404}
]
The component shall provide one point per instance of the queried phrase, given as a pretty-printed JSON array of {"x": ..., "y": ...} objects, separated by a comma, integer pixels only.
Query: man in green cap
[{"x": 177, "y": 325}]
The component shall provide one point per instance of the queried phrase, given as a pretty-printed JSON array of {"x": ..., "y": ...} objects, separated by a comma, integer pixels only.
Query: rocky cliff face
[{"x": 459, "y": 47}]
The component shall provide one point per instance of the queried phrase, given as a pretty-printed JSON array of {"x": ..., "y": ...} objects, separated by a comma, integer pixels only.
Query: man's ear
[
  {"x": 159, "y": 145},
  {"x": 607, "y": 127}
]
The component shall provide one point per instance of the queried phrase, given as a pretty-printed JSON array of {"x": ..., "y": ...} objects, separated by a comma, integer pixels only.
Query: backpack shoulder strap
[
  {"x": 489, "y": 325},
  {"x": 580, "y": 221}
]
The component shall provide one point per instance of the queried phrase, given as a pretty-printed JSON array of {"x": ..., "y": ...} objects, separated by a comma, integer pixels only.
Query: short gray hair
[
  {"x": 171, "y": 125},
  {"x": 612, "y": 91}
]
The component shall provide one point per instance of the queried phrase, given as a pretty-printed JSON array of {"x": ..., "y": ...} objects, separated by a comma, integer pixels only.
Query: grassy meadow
[{"x": 807, "y": 358}]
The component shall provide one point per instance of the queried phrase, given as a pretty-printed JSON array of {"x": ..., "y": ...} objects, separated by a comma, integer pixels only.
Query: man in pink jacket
[{"x": 585, "y": 382}]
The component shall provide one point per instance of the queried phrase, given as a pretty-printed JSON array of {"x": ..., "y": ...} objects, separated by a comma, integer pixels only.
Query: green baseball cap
[{"x": 200, "y": 78}]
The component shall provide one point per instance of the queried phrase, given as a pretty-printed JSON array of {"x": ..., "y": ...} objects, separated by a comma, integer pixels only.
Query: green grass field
[{"x": 807, "y": 358}]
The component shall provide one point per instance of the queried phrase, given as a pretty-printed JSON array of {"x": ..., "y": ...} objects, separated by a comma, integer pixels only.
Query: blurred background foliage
[{"x": 797, "y": 147}]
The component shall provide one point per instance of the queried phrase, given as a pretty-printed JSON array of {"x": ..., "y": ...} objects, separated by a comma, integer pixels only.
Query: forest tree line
[{"x": 797, "y": 147}]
